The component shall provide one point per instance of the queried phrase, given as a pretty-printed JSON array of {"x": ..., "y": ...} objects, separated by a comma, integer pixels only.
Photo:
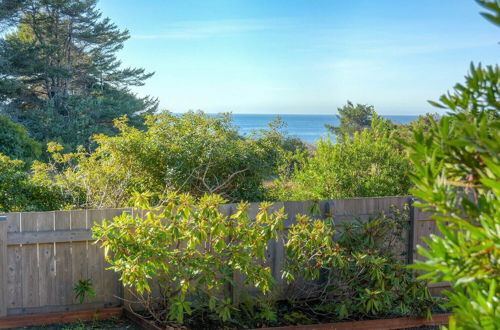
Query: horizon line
[{"x": 287, "y": 114}]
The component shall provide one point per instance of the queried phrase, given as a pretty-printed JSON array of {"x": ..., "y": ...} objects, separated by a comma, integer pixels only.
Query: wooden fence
[{"x": 44, "y": 254}]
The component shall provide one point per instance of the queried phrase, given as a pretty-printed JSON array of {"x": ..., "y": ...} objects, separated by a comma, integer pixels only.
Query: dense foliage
[
  {"x": 15, "y": 142},
  {"x": 457, "y": 175},
  {"x": 360, "y": 274},
  {"x": 189, "y": 248},
  {"x": 194, "y": 153},
  {"x": 353, "y": 118},
  {"x": 188, "y": 262},
  {"x": 59, "y": 73},
  {"x": 19, "y": 193},
  {"x": 371, "y": 163}
]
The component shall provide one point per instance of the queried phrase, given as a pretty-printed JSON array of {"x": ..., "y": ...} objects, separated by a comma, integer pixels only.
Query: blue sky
[{"x": 302, "y": 56}]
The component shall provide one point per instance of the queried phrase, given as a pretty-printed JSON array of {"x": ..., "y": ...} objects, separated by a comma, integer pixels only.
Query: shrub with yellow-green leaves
[
  {"x": 358, "y": 275},
  {"x": 189, "y": 247},
  {"x": 179, "y": 260},
  {"x": 19, "y": 193}
]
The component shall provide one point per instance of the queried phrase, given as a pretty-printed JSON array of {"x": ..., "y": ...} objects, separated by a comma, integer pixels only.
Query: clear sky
[{"x": 302, "y": 56}]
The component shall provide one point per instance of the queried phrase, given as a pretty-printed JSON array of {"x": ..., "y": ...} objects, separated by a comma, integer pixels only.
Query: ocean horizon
[{"x": 308, "y": 128}]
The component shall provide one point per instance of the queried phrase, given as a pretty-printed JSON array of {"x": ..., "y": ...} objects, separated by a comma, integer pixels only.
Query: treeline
[
  {"x": 202, "y": 154},
  {"x": 73, "y": 135}
]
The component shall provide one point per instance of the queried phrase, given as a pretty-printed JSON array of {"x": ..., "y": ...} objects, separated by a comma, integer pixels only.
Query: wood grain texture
[
  {"x": 3, "y": 265},
  {"x": 64, "y": 261},
  {"x": 79, "y": 251},
  {"x": 14, "y": 268},
  {"x": 67, "y": 317},
  {"x": 50, "y": 236},
  {"x": 46, "y": 262},
  {"x": 29, "y": 259},
  {"x": 385, "y": 324}
]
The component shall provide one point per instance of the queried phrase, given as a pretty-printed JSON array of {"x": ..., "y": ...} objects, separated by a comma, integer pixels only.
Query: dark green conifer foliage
[
  {"x": 353, "y": 118},
  {"x": 59, "y": 72}
]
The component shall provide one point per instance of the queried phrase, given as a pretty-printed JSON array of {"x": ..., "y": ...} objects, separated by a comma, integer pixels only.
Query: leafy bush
[
  {"x": 457, "y": 175},
  {"x": 180, "y": 258},
  {"x": 358, "y": 275},
  {"x": 189, "y": 247},
  {"x": 84, "y": 289},
  {"x": 193, "y": 153},
  {"x": 15, "y": 141},
  {"x": 371, "y": 163},
  {"x": 18, "y": 193}
]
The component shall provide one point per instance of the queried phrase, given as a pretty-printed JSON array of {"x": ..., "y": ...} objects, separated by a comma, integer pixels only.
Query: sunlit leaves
[
  {"x": 353, "y": 270},
  {"x": 371, "y": 163},
  {"x": 456, "y": 175},
  {"x": 188, "y": 246}
]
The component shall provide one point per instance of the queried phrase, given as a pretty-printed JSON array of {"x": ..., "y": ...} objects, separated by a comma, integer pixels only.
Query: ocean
[{"x": 308, "y": 128}]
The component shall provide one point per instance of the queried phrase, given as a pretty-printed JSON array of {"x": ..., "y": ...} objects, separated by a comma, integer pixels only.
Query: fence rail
[{"x": 44, "y": 254}]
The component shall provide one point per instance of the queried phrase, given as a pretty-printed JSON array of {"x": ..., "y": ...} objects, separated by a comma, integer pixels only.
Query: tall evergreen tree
[{"x": 59, "y": 70}]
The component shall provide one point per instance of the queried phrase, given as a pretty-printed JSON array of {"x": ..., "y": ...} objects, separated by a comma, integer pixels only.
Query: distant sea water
[{"x": 308, "y": 128}]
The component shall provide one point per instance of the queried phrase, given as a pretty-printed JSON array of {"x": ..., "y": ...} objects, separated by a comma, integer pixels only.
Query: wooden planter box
[
  {"x": 384, "y": 324},
  {"x": 107, "y": 313},
  {"x": 381, "y": 324},
  {"x": 65, "y": 317}
]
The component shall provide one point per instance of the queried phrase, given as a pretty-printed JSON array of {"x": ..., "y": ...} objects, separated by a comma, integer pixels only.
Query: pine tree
[
  {"x": 353, "y": 118},
  {"x": 59, "y": 69}
]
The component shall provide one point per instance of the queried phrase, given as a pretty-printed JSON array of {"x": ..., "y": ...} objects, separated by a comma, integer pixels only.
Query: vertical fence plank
[
  {"x": 411, "y": 232},
  {"x": 14, "y": 268},
  {"x": 111, "y": 281},
  {"x": 79, "y": 250},
  {"x": 95, "y": 257},
  {"x": 64, "y": 262},
  {"x": 29, "y": 253},
  {"x": 3, "y": 265},
  {"x": 46, "y": 262}
]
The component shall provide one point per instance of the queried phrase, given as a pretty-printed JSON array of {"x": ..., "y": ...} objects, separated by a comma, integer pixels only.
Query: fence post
[
  {"x": 3, "y": 265},
  {"x": 411, "y": 231}
]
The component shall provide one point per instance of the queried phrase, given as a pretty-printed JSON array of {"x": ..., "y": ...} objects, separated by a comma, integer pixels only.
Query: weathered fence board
[
  {"x": 44, "y": 254},
  {"x": 64, "y": 261},
  {"x": 3, "y": 263},
  {"x": 14, "y": 266}
]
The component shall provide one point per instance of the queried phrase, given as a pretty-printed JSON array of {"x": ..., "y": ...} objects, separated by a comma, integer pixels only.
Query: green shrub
[
  {"x": 457, "y": 175},
  {"x": 371, "y": 163},
  {"x": 358, "y": 275},
  {"x": 16, "y": 143},
  {"x": 193, "y": 153},
  {"x": 19, "y": 193},
  {"x": 189, "y": 248},
  {"x": 179, "y": 261}
]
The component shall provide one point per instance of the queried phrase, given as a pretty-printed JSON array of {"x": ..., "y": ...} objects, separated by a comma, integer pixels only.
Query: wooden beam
[
  {"x": 3, "y": 265},
  {"x": 49, "y": 236},
  {"x": 67, "y": 317},
  {"x": 139, "y": 321},
  {"x": 380, "y": 324}
]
